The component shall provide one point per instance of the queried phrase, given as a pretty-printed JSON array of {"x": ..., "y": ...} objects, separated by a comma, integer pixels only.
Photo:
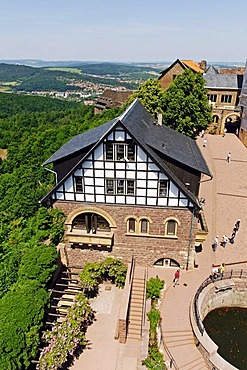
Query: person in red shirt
[{"x": 176, "y": 278}]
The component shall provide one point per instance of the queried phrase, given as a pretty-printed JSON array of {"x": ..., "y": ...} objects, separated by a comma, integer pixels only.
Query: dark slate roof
[
  {"x": 164, "y": 139},
  {"x": 214, "y": 79},
  {"x": 152, "y": 137},
  {"x": 80, "y": 142}
]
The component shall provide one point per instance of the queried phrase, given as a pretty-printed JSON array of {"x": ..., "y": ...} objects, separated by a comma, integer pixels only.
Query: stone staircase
[
  {"x": 137, "y": 303},
  {"x": 181, "y": 344}
]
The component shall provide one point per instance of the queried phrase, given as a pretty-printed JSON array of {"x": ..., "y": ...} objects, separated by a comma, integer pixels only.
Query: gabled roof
[
  {"x": 192, "y": 65},
  {"x": 184, "y": 64},
  {"x": 112, "y": 98},
  {"x": 151, "y": 137},
  {"x": 80, "y": 142},
  {"x": 214, "y": 79}
]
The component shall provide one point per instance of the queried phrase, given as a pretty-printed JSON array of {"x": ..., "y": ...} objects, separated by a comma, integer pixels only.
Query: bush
[
  {"x": 155, "y": 360},
  {"x": 154, "y": 286},
  {"x": 94, "y": 273},
  {"x": 22, "y": 312}
]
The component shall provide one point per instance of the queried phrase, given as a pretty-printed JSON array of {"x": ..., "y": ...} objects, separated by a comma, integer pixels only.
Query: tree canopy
[
  {"x": 184, "y": 105},
  {"x": 30, "y": 132}
]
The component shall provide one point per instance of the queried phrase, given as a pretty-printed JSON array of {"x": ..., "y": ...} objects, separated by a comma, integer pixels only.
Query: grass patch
[{"x": 65, "y": 69}]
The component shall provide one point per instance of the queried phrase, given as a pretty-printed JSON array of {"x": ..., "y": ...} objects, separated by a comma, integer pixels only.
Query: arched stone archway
[{"x": 232, "y": 123}]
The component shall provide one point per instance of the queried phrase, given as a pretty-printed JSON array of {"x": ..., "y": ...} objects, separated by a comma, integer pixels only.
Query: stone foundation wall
[
  {"x": 146, "y": 248},
  {"x": 235, "y": 297}
]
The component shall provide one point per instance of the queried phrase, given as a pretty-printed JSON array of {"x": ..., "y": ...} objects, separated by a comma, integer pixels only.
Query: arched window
[
  {"x": 215, "y": 119},
  {"x": 171, "y": 227},
  {"x": 131, "y": 225},
  {"x": 144, "y": 226}
]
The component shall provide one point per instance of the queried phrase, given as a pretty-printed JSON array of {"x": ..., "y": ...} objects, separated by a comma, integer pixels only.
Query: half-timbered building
[{"x": 130, "y": 188}]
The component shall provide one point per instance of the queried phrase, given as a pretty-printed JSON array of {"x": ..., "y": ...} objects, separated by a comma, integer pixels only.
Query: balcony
[{"x": 81, "y": 237}]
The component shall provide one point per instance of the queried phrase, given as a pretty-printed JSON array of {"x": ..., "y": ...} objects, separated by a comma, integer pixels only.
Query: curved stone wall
[{"x": 229, "y": 293}]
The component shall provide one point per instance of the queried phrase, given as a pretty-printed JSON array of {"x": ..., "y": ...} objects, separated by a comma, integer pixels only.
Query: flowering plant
[{"x": 64, "y": 338}]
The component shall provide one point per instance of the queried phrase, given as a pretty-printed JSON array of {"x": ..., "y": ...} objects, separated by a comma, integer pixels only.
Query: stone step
[
  {"x": 134, "y": 330},
  {"x": 196, "y": 364},
  {"x": 180, "y": 343},
  {"x": 138, "y": 298},
  {"x": 137, "y": 290}
]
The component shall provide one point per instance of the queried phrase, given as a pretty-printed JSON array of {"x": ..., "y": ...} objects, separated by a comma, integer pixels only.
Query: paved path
[{"x": 226, "y": 201}]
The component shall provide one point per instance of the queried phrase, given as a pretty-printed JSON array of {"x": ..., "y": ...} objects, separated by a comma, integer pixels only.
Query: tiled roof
[
  {"x": 184, "y": 64},
  {"x": 214, "y": 79},
  {"x": 192, "y": 65}
]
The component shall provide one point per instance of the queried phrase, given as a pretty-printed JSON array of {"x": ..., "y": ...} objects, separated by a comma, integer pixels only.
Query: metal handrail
[
  {"x": 172, "y": 362},
  {"x": 144, "y": 303},
  {"x": 132, "y": 267},
  {"x": 237, "y": 274}
]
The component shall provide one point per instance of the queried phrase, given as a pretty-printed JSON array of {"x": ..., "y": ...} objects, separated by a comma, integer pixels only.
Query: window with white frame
[
  {"x": 120, "y": 152},
  {"x": 114, "y": 186}
]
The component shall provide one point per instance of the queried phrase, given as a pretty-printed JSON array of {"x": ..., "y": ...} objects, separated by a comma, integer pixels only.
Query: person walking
[
  {"x": 236, "y": 226},
  {"x": 205, "y": 143},
  {"x": 215, "y": 243},
  {"x": 228, "y": 157},
  {"x": 224, "y": 241},
  {"x": 202, "y": 134},
  {"x": 176, "y": 278}
]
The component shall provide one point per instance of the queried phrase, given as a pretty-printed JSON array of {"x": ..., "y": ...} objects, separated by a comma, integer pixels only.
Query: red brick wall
[{"x": 146, "y": 249}]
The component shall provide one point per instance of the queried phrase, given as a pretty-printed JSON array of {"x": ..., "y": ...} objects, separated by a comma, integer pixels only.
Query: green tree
[
  {"x": 185, "y": 104},
  {"x": 151, "y": 95}
]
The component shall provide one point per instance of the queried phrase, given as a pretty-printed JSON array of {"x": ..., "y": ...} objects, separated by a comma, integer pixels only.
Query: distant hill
[{"x": 25, "y": 78}]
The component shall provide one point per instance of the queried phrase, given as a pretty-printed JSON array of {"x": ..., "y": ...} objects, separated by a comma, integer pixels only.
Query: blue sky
[{"x": 137, "y": 30}]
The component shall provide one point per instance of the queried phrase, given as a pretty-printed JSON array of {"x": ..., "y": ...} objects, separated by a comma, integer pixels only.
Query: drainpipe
[
  {"x": 48, "y": 169},
  {"x": 190, "y": 240}
]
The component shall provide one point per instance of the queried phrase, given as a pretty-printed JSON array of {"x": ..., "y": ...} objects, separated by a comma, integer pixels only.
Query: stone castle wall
[{"x": 145, "y": 248}]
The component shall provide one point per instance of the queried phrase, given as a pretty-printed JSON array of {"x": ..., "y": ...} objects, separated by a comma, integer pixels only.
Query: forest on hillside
[
  {"x": 31, "y": 129},
  {"x": 24, "y": 78}
]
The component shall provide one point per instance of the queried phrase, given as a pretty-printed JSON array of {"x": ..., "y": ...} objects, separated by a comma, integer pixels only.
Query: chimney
[
  {"x": 203, "y": 65},
  {"x": 159, "y": 119}
]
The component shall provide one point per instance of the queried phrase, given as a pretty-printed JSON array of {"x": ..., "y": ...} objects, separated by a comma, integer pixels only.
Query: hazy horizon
[{"x": 131, "y": 31}]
